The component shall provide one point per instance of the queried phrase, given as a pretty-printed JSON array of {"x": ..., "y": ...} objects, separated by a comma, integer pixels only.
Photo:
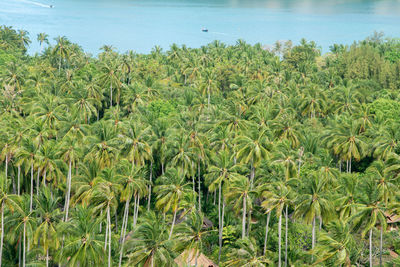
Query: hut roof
[
  {"x": 188, "y": 258},
  {"x": 392, "y": 218}
]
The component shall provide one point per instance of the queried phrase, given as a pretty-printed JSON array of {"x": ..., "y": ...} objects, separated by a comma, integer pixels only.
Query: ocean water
[{"x": 139, "y": 25}]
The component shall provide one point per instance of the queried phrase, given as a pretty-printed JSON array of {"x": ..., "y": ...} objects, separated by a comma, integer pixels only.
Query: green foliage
[
  {"x": 386, "y": 109},
  {"x": 161, "y": 108}
]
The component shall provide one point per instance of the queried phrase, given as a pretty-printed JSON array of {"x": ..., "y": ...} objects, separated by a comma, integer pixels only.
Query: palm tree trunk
[
  {"x": 350, "y": 166},
  {"x": 111, "y": 94},
  {"x": 59, "y": 65},
  {"x": 313, "y": 237},
  {"x": 31, "y": 202},
  {"x": 266, "y": 233},
  {"x": 109, "y": 235},
  {"x": 18, "y": 180},
  {"x": 2, "y": 231},
  {"x": 19, "y": 251},
  {"x": 380, "y": 247},
  {"x": 24, "y": 245},
  {"x": 123, "y": 231},
  {"x": 279, "y": 240},
  {"x": 193, "y": 185},
  {"x": 219, "y": 221},
  {"x": 370, "y": 247},
  {"x": 67, "y": 197},
  {"x": 173, "y": 223},
  {"x": 135, "y": 206},
  {"x": 286, "y": 233},
  {"x": 199, "y": 181},
  {"x": 151, "y": 179},
  {"x": 244, "y": 217},
  {"x": 6, "y": 170},
  {"x": 106, "y": 236},
  {"x": 44, "y": 177},
  {"x": 220, "y": 232},
  {"x": 137, "y": 209}
]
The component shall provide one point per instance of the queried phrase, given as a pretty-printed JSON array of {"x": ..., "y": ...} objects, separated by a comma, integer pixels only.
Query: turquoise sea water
[{"x": 139, "y": 25}]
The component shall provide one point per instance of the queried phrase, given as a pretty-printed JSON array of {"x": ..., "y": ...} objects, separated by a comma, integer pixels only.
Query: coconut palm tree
[
  {"x": 42, "y": 38},
  {"x": 135, "y": 184},
  {"x": 62, "y": 49},
  {"x": 336, "y": 244},
  {"x": 46, "y": 233},
  {"x": 276, "y": 196},
  {"x": 150, "y": 245},
  {"x": 240, "y": 194},
  {"x": 84, "y": 245},
  {"x": 370, "y": 210},
  {"x": 219, "y": 173},
  {"x": 247, "y": 255},
  {"x": 313, "y": 202},
  {"x": 171, "y": 190}
]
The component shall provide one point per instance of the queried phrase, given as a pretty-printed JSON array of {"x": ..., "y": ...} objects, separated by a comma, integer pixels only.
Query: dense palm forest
[{"x": 250, "y": 155}]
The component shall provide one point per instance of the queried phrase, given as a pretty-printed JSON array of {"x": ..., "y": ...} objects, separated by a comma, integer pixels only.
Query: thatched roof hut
[{"x": 188, "y": 258}]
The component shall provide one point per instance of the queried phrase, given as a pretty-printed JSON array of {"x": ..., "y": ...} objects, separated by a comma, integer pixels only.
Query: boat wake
[
  {"x": 221, "y": 33},
  {"x": 36, "y": 3}
]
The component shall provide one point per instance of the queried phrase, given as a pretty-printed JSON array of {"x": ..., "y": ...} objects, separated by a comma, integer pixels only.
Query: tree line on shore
[{"x": 251, "y": 156}]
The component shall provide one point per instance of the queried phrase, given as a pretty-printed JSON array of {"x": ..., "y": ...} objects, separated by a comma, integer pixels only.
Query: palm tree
[
  {"x": 135, "y": 143},
  {"x": 170, "y": 192},
  {"x": 191, "y": 234},
  {"x": 220, "y": 172},
  {"x": 6, "y": 201},
  {"x": 134, "y": 185},
  {"x": 247, "y": 255},
  {"x": 27, "y": 156},
  {"x": 370, "y": 210},
  {"x": 314, "y": 202},
  {"x": 110, "y": 72},
  {"x": 104, "y": 196},
  {"x": 252, "y": 148},
  {"x": 24, "y": 221},
  {"x": 276, "y": 196},
  {"x": 150, "y": 245},
  {"x": 346, "y": 142},
  {"x": 70, "y": 152},
  {"x": 46, "y": 233},
  {"x": 42, "y": 38},
  {"x": 83, "y": 245},
  {"x": 239, "y": 192},
  {"x": 336, "y": 244},
  {"x": 62, "y": 49}
]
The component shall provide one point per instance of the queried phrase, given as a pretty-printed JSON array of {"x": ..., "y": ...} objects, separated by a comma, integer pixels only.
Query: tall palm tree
[
  {"x": 83, "y": 245},
  {"x": 170, "y": 192},
  {"x": 150, "y": 245},
  {"x": 6, "y": 201},
  {"x": 240, "y": 194},
  {"x": 46, "y": 232},
  {"x": 336, "y": 244},
  {"x": 276, "y": 196},
  {"x": 134, "y": 185},
  {"x": 313, "y": 201},
  {"x": 42, "y": 38},
  {"x": 62, "y": 50},
  {"x": 370, "y": 210},
  {"x": 220, "y": 172},
  {"x": 247, "y": 255}
]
